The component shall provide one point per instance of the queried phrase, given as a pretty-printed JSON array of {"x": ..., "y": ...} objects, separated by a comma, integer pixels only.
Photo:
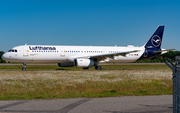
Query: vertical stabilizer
[{"x": 156, "y": 38}]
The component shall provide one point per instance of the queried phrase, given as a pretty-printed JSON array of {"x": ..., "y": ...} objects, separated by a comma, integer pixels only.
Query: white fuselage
[{"x": 64, "y": 54}]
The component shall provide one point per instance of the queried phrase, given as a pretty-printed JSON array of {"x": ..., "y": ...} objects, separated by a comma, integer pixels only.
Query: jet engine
[
  {"x": 65, "y": 64},
  {"x": 83, "y": 63}
]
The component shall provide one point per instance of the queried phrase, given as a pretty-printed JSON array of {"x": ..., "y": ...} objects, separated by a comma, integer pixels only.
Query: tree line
[
  {"x": 171, "y": 55},
  {"x": 1, "y": 60}
]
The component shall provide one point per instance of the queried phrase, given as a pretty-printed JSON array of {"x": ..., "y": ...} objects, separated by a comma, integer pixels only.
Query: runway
[{"x": 128, "y": 104}]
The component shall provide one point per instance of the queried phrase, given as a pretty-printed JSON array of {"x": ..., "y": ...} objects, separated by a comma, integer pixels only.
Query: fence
[{"x": 176, "y": 83}]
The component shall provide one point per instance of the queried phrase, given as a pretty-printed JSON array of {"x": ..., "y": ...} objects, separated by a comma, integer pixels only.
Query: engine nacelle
[
  {"x": 84, "y": 63},
  {"x": 65, "y": 64}
]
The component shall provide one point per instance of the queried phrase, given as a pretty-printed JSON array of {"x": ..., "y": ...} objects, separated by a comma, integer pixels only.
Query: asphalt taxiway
[{"x": 128, "y": 104}]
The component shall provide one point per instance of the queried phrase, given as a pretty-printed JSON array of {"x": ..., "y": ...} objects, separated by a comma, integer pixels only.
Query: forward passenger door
[{"x": 25, "y": 51}]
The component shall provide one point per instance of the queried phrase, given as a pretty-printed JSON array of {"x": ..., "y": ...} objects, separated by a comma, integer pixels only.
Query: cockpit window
[{"x": 12, "y": 50}]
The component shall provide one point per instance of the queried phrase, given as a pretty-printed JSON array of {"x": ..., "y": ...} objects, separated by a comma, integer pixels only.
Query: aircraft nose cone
[{"x": 4, "y": 56}]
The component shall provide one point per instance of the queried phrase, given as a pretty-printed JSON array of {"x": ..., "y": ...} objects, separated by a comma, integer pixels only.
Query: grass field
[
  {"x": 105, "y": 67},
  {"x": 50, "y": 81}
]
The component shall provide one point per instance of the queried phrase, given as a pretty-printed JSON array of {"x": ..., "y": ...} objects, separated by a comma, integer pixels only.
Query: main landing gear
[
  {"x": 98, "y": 68},
  {"x": 86, "y": 68},
  {"x": 24, "y": 67}
]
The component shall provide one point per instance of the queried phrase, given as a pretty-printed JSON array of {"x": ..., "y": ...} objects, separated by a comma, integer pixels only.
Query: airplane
[{"x": 86, "y": 56}]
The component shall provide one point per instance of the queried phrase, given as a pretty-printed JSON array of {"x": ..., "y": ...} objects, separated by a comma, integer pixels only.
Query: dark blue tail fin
[{"x": 156, "y": 38}]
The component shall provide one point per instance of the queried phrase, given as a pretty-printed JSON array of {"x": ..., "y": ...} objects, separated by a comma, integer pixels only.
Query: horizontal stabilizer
[{"x": 165, "y": 50}]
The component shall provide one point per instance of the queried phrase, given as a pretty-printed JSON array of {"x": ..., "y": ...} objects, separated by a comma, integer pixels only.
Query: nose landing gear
[{"x": 24, "y": 67}]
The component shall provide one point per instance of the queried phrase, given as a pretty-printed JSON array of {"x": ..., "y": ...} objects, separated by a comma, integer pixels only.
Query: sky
[{"x": 88, "y": 22}]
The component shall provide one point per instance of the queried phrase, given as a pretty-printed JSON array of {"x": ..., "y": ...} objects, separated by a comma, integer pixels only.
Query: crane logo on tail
[{"x": 156, "y": 40}]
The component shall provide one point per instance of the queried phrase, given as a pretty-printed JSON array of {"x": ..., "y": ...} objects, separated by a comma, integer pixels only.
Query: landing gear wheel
[
  {"x": 98, "y": 67},
  {"x": 24, "y": 69},
  {"x": 86, "y": 68}
]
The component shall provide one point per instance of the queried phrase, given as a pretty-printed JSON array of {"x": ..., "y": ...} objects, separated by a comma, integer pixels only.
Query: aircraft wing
[{"x": 110, "y": 55}]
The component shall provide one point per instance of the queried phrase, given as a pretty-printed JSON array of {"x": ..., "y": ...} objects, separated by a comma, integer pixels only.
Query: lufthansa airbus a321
[{"x": 86, "y": 56}]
